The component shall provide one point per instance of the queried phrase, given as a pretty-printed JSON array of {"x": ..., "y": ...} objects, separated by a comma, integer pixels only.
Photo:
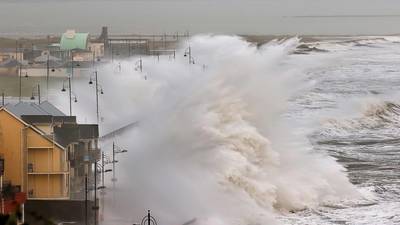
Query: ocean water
[
  {"x": 355, "y": 103},
  {"x": 253, "y": 135}
]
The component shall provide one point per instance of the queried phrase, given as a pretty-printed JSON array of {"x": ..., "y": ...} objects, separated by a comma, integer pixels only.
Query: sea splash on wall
[{"x": 210, "y": 142}]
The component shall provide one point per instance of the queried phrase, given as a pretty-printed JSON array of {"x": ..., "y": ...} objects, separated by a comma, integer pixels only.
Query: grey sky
[{"x": 217, "y": 16}]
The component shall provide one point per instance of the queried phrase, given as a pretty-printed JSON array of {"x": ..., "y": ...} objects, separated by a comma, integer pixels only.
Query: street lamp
[
  {"x": 119, "y": 67},
  {"x": 104, "y": 162},
  {"x": 20, "y": 79},
  {"x": 116, "y": 150},
  {"x": 95, "y": 207},
  {"x": 103, "y": 171},
  {"x": 99, "y": 89},
  {"x": 139, "y": 65},
  {"x": 188, "y": 53},
  {"x": 72, "y": 63},
  {"x": 70, "y": 93},
  {"x": 48, "y": 73},
  {"x": 36, "y": 90}
]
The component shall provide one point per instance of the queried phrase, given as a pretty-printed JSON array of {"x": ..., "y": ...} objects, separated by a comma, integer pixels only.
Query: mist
[{"x": 210, "y": 142}]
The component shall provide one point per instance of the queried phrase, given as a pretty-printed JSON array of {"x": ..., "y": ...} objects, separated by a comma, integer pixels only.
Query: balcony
[
  {"x": 33, "y": 195},
  {"x": 33, "y": 171}
]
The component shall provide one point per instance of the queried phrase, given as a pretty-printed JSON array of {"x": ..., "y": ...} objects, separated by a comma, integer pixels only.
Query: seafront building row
[
  {"x": 47, "y": 162},
  {"x": 58, "y": 56}
]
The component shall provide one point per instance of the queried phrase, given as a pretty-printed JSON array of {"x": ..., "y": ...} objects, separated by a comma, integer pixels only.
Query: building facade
[
  {"x": 49, "y": 156},
  {"x": 10, "y": 53},
  {"x": 33, "y": 160}
]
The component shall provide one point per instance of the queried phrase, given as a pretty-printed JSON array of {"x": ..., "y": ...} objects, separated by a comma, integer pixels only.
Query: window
[{"x": 30, "y": 167}]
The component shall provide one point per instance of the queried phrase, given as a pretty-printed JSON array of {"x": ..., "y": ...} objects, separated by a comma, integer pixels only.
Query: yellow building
[{"x": 33, "y": 160}]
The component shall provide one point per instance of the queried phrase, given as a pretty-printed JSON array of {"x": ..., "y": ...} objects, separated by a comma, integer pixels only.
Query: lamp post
[
  {"x": 95, "y": 208},
  {"x": 102, "y": 187},
  {"x": 72, "y": 64},
  {"x": 70, "y": 93},
  {"x": 47, "y": 74},
  {"x": 188, "y": 53},
  {"x": 86, "y": 200},
  {"x": 116, "y": 150},
  {"x": 103, "y": 170},
  {"x": 139, "y": 65},
  {"x": 99, "y": 89},
  {"x": 20, "y": 79},
  {"x": 112, "y": 53},
  {"x": 38, "y": 93}
]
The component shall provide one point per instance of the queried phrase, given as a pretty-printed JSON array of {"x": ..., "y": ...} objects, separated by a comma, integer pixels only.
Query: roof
[
  {"x": 47, "y": 119},
  {"x": 41, "y": 133},
  {"x": 29, "y": 108},
  {"x": 71, "y": 40},
  {"x": 51, "y": 109}
]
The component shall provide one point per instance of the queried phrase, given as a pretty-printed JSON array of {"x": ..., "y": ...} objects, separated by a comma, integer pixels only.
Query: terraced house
[
  {"x": 47, "y": 155},
  {"x": 33, "y": 160}
]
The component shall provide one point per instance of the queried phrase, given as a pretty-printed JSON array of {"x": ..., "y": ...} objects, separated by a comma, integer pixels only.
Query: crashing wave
[{"x": 210, "y": 143}]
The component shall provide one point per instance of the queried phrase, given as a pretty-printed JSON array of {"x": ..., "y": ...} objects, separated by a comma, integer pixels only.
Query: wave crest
[{"x": 210, "y": 143}]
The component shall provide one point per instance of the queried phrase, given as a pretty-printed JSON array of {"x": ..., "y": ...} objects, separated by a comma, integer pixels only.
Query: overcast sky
[{"x": 216, "y": 16}]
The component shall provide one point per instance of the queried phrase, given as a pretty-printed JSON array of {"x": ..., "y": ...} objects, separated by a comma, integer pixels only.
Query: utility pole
[
  {"x": 113, "y": 162},
  {"x": 86, "y": 200},
  {"x": 2, "y": 98},
  {"x": 38, "y": 92},
  {"x": 20, "y": 83},
  {"x": 188, "y": 53},
  {"x": 16, "y": 50},
  {"x": 102, "y": 169},
  {"x": 112, "y": 53},
  {"x": 102, "y": 185},
  {"x": 165, "y": 41},
  {"x": 72, "y": 64},
  {"x": 95, "y": 208},
  {"x": 97, "y": 97},
  {"x": 129, "y": 48},
  {"x": 93, "y": 59},
  {"x": 47, "y": 75},
  {"x": 141, "y": 64},
  {"x": 70, "y": 95}
]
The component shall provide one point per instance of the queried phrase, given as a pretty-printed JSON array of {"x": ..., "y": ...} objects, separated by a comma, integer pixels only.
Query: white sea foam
[{"x": 210, "y": 143}]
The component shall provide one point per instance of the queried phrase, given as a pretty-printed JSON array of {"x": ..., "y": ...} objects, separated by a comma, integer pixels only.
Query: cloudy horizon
[{"x": 291, "y": 17}]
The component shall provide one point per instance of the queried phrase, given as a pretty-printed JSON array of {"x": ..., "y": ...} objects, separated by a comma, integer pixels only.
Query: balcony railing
[
  {"x": 32, "y": 169},
  {"x": 32, "y": 194}
]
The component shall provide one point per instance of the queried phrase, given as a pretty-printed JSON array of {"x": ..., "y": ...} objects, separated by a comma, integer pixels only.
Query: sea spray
[{"x": 209, "y": 142}]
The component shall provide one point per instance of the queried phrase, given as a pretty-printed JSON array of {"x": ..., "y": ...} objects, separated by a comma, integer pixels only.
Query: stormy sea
[{"x": 288, "y": 132}]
